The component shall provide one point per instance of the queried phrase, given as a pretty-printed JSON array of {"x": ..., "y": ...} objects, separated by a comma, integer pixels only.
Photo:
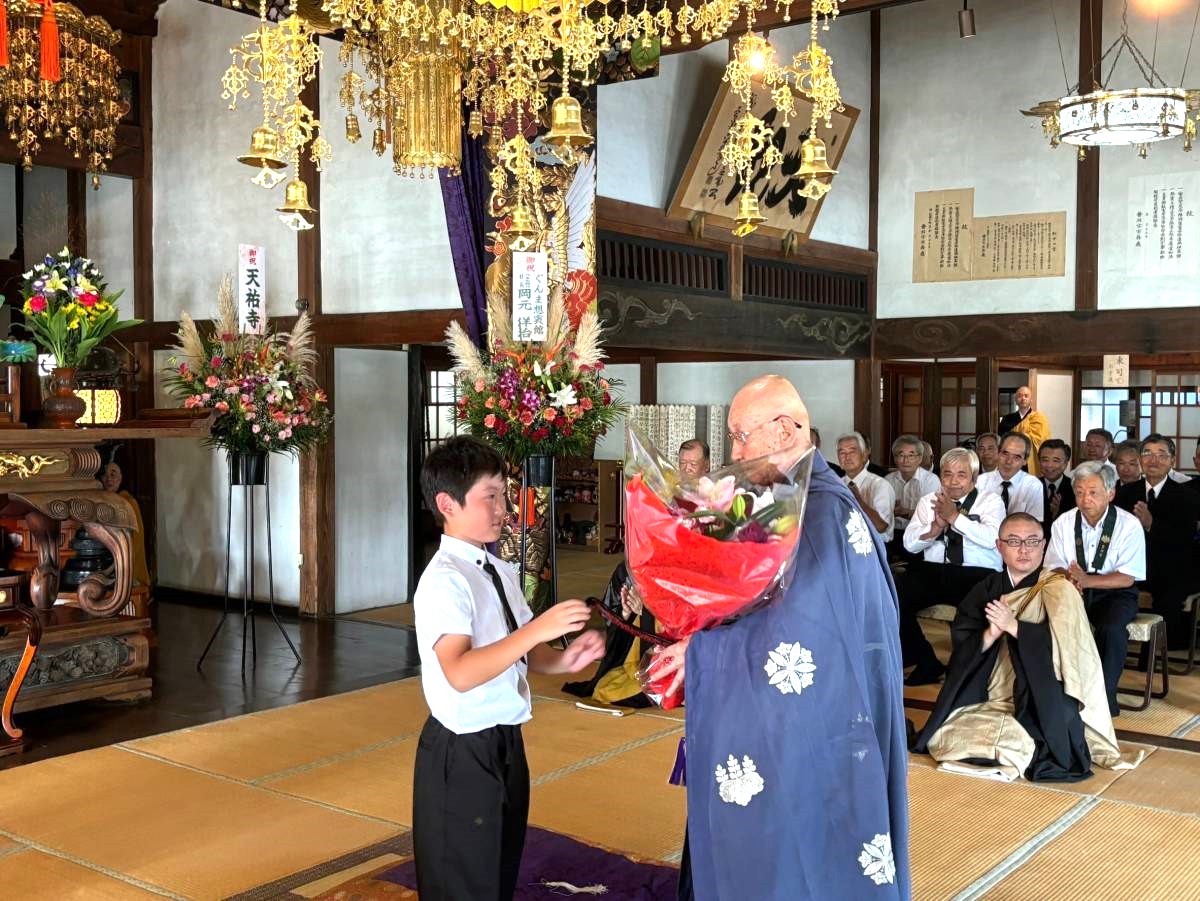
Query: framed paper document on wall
[{"x": 707, "y": 188}]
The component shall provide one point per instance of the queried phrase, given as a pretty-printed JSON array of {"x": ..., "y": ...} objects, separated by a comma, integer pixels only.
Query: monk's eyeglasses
[
  {"x": 1031, "y": 543},
  {"x": 743, "y": 437}
]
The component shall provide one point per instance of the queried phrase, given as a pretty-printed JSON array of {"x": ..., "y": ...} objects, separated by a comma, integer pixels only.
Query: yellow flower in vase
[{"x": 55, "y": 283}]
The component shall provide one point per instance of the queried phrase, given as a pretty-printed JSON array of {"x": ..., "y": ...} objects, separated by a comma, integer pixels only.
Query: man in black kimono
[{"x": 1009, "y": 708}]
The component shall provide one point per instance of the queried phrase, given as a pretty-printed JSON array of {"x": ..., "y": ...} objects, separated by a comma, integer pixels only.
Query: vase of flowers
[
  {"x": 68, "y": 312},
  {"x": 260, "y": 387}
]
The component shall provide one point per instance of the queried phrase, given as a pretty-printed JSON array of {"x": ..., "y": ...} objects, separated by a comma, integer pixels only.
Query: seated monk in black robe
[
  {"x": 616, "y": 679},
  {"x": 1025, "y": 691}
]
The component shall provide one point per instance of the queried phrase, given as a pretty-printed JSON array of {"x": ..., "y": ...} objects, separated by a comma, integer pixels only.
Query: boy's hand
[
  {"x": 583, "y": 651},
  {"x": 560, "y": 620}
]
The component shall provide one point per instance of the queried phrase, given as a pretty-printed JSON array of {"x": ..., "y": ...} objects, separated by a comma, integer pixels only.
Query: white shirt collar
[
  {"x": 1015, "y": 477},
  {"x": 1099, "y": 522},
  {"x": 1012, "y": 580},
  {"x": 463, "y": 550},
  {"x": 863, "y": 474},
  {"x": 1158, "y": 486}
]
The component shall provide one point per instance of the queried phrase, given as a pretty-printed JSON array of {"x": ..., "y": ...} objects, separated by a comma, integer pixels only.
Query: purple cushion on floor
[{"x": 557, "y": 858}]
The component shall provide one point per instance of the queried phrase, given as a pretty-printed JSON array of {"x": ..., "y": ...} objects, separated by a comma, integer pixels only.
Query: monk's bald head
[{"x": 767, "y": 416}]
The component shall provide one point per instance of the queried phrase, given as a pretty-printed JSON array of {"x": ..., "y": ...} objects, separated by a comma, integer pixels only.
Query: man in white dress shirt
[
  {"x": 873, "y": 493},
  {"x": 1103, "y": 551},
  {"x": 987, "y": 446},
  {"x": 955, "y": 530},
  {"x": 910, "y": 482},
  {"x": 1020, "y": 491}
]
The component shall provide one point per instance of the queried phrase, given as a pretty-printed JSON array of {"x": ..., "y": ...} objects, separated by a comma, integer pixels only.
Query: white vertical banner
[
  {"x": 1164, "y": 224},
  {"x": 252, "y": 289},
  {"x": 530, "y": 296}
]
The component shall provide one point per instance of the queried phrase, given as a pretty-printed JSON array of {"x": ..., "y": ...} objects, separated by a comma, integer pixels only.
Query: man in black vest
[{"x": 1168, "y": 512}]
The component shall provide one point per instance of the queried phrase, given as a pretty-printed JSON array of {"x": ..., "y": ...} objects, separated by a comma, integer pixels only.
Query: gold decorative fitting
[
  {"x": 475, "y": 124},
  {"x": 523, "y": 229},
  {"x": 815, "y": 169},
  {"x": 353, "y": 132},
  {"x": 25, "y": 465},
  {"x": 295, "y": 210},
  {"x": 566, "y": 124},
  {"x": 81, "y": 105},
  {"x": 748, "y": 215}
]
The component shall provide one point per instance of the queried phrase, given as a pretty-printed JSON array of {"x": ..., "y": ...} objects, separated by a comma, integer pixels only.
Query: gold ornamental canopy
[{"x": 59, "y": 82}]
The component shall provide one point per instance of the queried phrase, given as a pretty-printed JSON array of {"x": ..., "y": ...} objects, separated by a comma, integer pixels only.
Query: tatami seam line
[
  {"x": 1187, "y": 727},
  {"x": 603, "y": 756},
  {"x": 335, "y": 758},
  {"x": 30, "y": 844},
  {"x": 263, "y": 788},
  {"x": 1027, "y": 850}
]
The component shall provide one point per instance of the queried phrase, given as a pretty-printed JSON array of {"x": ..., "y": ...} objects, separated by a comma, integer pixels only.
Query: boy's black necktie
[{"x": 494, "y": 575}]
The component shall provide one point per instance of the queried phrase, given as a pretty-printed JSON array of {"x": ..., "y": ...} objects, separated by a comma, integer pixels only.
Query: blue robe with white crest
[{"x": 796, "y": 752}]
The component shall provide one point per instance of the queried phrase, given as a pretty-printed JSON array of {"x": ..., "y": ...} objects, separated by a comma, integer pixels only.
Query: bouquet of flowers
[
  {"x": 260, "y": 385},
  {"x": 68, "y": 310},
  {"x": 547, "y": 397},
  {"x": 704, "y": 551}
]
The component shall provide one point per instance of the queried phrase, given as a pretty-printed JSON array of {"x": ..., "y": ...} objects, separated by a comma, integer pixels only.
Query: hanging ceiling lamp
[{"x": 1120, "y": 117}]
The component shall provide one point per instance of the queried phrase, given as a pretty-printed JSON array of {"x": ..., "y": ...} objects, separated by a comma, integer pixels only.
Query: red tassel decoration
[
  {"x": 51, "y": 69},
  {"x": 3, "y": 35}
]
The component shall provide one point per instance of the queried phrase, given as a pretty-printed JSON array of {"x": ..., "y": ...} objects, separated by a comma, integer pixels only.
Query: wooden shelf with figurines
[{"x": 585, "y": 496}]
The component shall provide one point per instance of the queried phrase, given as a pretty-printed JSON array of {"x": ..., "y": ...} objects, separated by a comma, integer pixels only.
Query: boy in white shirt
[{"x": 477, "y": 639}]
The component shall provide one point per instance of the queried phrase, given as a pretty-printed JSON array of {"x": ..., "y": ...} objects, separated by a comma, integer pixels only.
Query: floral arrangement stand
[
  {"x": 249, "y": 471},
  {"x": 534, "y": 401},
  {"x": 260, "y": 388}
]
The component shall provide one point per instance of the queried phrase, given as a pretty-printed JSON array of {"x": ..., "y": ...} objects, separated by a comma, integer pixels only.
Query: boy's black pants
[{"x": 470, "y": 808}]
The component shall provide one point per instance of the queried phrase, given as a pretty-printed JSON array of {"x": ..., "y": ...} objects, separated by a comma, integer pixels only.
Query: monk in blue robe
[{"x": 796, "y": 746}]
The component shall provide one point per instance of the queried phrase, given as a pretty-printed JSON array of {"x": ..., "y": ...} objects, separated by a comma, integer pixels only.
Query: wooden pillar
[
  {"x": 648, "y": 381},
  {"x": 143, "y": 475},
  {"x": 931, "y": 406},
  {"x": 416, "y": 459},
  {"x": 77, "y": 183},
  {"x": 1087, "y": 177},
  {"x": 318, "y": 510},
  {"x": 868, "y": 410},
  {"x": 873, "y": 163},
  {"x": 987, "y": 394}
]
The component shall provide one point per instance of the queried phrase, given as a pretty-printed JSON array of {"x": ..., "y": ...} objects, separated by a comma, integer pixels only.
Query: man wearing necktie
[
  {"x": 954, "y": 529},
  {"x": 1168, "y": 513},
  {"x": 1019, "y": 491},
  {"x": 1053, "y": 458}
]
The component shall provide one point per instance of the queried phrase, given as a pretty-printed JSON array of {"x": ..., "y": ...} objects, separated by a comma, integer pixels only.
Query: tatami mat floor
[{"x": 219, "y": 809}]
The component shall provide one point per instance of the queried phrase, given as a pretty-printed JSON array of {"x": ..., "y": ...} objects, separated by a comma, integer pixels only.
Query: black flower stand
[{"x": 248, "y": 471}]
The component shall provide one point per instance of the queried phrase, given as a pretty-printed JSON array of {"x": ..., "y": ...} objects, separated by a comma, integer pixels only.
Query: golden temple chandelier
[
  {"x": 280, "y": 59},
  {"x": 1131, "y": 117},
  {"x": 58, "y": 81},
  {"x": 413, "y": 65}
]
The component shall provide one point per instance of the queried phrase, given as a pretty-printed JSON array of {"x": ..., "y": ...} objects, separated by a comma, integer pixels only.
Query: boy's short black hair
[{"x": 454, "y": 467}]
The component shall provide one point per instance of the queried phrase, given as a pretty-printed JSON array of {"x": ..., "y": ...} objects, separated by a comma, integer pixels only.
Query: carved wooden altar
[{"x": 48, "y": 479}]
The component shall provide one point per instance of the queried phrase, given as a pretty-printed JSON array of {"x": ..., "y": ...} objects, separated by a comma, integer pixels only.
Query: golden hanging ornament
[
  {"x": 566, "y": 124},
  {"x": 748, "y": 216},
  {"x": 296, "y": 211},
  {"x": 815, "y": 168}
]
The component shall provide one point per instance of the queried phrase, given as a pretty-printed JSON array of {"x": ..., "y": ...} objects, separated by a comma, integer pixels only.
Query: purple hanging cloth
[{"x": 465, "y": 198}]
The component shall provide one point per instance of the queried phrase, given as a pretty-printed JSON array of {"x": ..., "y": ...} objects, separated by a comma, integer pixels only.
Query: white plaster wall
[
  {"x": 8, "y": 209},
  {"x": 110, "y": 236},
  {"x": 383, "y": 238},
  {"x": 1122, "y": 284},
  {"x": 204, "y": 203},
  {"x": 950, "y": 118},
  {"x": 646, "y": 129},
  {"x": 827, "y": 386},
  {"x": 611, "y": 446},
  {"x": 845, "y": 213},
  {"x": 370, "y": 479},
  {"x": 1055, "y": 398},
  {"x": 192, "y": 487},
  {"x": 45, "y": 212}
]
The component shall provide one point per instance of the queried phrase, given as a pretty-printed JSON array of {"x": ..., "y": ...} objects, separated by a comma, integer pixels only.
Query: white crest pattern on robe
[
  {"x": 876, "y": 860},
  {"x": 859, "y": 534},
  {"x": 738, "y": 783},
  {"x": 790, "y": 668}
]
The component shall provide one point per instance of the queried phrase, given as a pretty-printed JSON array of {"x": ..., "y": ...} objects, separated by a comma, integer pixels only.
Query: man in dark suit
[
  {"x": 1054, "y": 456},
  {"x": 1168, "y": 512}
]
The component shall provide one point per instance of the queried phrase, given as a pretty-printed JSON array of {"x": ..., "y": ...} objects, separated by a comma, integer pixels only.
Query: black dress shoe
[{"x": 926, "y": 674}]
